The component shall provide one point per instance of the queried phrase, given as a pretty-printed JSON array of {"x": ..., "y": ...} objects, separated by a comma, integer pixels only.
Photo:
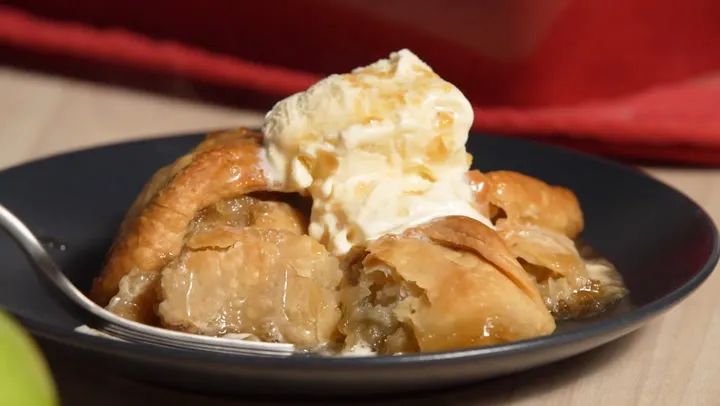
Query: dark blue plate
[{"x": 662, "y": 242}]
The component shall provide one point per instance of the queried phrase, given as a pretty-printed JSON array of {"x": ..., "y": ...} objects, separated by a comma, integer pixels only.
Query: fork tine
[
  {"x": 185, "y": 345},
  {"x": 190, "y": 341}
]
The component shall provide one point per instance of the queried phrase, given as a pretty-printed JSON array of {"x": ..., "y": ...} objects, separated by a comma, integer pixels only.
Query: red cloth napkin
[{"x": 674, "y": 122}]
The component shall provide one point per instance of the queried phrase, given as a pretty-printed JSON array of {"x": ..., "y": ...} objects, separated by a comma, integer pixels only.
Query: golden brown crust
[
  {"x": 248, "y": 211},
  {"x": 412, "y": 294},
  {"x": 226, "y": 164},
  {"x": 481, "y": 192},
  {"x": 214, "y": 227},
  {"x": 274, "y": 284},
  {"x": 471, "y": 235},
  {"x": 544, "y": 248},
  {"x": 470, "y": 302},
  {"x": 525, "y": 199}
]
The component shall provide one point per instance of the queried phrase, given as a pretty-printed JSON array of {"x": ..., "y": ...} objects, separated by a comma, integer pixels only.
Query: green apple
[{"x": 24, "y": 376}]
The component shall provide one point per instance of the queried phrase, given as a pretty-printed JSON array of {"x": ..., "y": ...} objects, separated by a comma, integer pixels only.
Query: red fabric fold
[
  {"x": 678, "y": 122},
  {"x": 122, "y": 47},
  {"x": 683, "y": 114}
]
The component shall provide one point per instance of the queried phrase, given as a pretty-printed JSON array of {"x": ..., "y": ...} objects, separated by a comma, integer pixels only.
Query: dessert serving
[{"x": 352, "y": 224}]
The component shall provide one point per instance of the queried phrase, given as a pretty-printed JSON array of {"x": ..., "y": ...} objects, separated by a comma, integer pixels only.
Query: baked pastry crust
[
  {"x": 539, "y": 224},
  {"x": 464, "y": 233},
  {"x": 432, "y": 289},
  {"x": 525, "y": 199},
  {"x": 274, "y": 285},
  {"x": 139, "y": 292},
  {"x": 226, "y": 164}
]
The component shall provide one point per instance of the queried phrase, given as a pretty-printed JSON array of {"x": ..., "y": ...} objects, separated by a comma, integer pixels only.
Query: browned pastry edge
[
  {"x": 429, "y": 290},
  {"x": 461, "y": 232},
  {"x": 529, "y": 200},
  {"x": 226, "y": 164}
]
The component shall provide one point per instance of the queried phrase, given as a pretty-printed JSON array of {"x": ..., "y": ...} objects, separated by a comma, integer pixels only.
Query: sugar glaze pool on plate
[{"x": 662, "y": 243}]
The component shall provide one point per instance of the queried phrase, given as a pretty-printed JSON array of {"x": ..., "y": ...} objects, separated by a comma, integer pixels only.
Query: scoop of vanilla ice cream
[{"x": 379, "y": 150}]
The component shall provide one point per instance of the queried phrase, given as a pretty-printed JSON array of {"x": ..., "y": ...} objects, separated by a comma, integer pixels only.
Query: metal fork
[{"x": 109, "y": 323}]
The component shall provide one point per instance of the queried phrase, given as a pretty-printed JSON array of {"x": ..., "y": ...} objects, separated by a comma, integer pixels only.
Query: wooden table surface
[{"x": 674, "y": 360}]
